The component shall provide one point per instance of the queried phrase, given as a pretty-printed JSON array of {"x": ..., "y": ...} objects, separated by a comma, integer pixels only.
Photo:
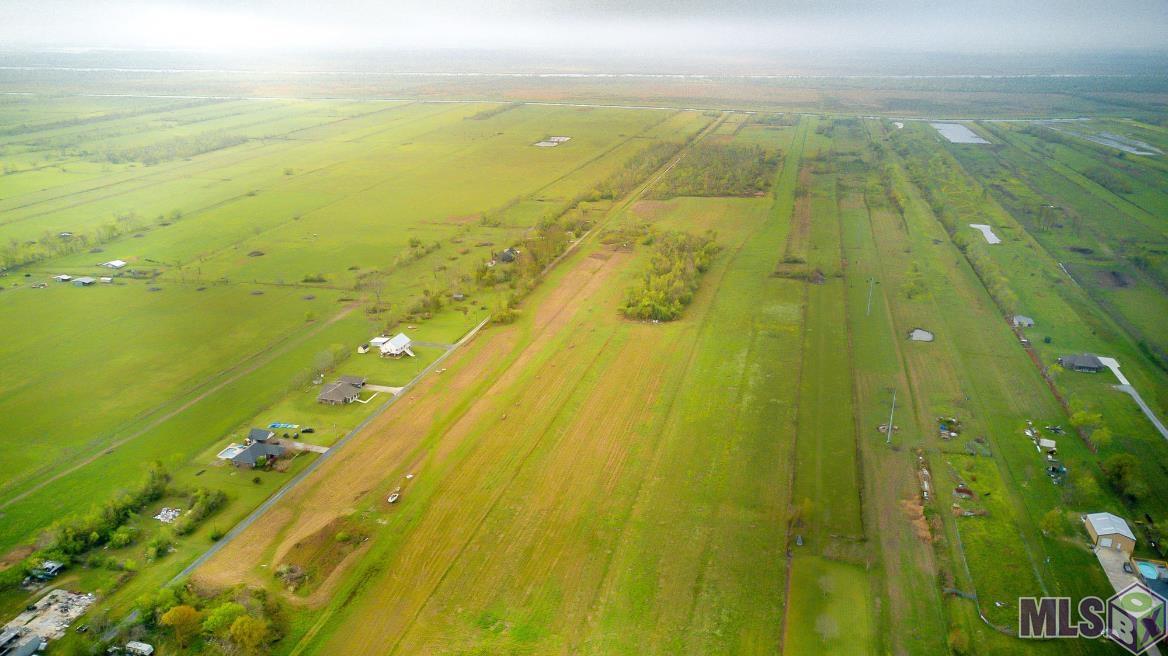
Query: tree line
[
  {"x": 72, "y": 538},
  {"x": 171, "y": 149},
  {"x": 559, "y": 228}
]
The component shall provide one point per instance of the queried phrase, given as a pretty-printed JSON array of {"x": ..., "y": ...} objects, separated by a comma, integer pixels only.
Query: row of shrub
[
  {"x": 551, "y": 237},
  {"x": 204, "y": 502},
  {"x": 678, "y": 260},
  {"x": 72, "y": 536},
  {"x": 172, "y": 149},
  {"x": 16, "y": 252}
]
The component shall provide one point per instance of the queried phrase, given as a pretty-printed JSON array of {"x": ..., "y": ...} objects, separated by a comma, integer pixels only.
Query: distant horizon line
[
  {"x": 606, "y": 51},
  {"x": 580, "y": 75}
]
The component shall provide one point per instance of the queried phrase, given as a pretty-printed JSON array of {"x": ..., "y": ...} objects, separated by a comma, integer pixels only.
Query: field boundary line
[
  {"x": 260, "y": 359},
  {"x": 804, "y": 128}
]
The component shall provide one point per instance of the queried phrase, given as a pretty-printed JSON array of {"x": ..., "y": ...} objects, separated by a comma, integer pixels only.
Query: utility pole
[
  {"x": 871, "y": 284},
  {"x": 891, "y": 413}
]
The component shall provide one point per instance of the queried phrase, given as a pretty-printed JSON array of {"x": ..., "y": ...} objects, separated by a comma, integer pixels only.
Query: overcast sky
[{"x": 653, "y": 25}]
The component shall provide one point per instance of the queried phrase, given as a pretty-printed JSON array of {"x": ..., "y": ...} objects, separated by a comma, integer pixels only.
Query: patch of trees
[
  {"x": 1121, "y": 471},
  {"x": 934, "y": 176},
  {"x": 720, "y": 170},
  {"x": 988, "y": 271},
  {"x": 241, "y": 620},
  {"x": 915, "y": 283},
  {"x": 72, "y": 536},
  {"x": 544, "y": 244},
  {"x": 159, "y": 545},
  {"x": 1108, "y": 179},
  {"x": 559, "y": 228},
  {"x": 425, "y": 306},
  {"x": 635, "y": 170},
  {"x": 204, "y": 502},
  {"x": 51, "y": 244},
  {"x": 78, "y": 534},
  {"x": 625, "y": 236},
  {"x": 677, "y": 262},
  {"x": 775, "y": 120},
  {"x": 176, "y": 148}
]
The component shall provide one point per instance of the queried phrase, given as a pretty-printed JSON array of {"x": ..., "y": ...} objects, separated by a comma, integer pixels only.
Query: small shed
[
  {"x": 1109, "y": 531},
  {"x": 396, "y": 347},
  {"x": 62, "y": 277},
  {"x": 1085, "y": 363},
  {"x": 1023, "y": 321},
  {"x": 83, "y": 281},
  {"x": 114, "y": 264}
]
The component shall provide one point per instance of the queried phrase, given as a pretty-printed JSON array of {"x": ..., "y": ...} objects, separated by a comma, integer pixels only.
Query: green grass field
[{"x": 580, "y": 482}]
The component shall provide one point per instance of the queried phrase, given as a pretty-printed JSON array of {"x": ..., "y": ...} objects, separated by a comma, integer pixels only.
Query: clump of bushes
[
  {"x": 678, "y": 260},
  {"x": 239, "y": 620},
  {"x": 159, "y": 545},
  {"x": 69, "y": 539},
  {"x": 204, "y": 503},
  {"x": 1123, "y": 475}
]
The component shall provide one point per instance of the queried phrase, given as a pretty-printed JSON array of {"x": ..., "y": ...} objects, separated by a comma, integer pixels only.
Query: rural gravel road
[{"x": 304, "y": 473}]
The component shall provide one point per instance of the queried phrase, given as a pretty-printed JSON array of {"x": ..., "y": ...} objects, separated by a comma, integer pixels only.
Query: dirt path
[{"x": 366, "y": 462}]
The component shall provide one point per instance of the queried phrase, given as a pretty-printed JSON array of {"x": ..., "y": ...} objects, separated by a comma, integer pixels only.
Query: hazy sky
[{"x": 652, "y": 25}]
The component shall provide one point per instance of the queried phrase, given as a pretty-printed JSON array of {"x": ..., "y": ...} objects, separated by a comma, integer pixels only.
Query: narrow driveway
[{"x": 312, "y": 466}]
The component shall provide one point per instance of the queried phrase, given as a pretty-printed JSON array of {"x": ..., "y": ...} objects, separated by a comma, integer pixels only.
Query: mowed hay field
[{"x": 264, "y": 240}]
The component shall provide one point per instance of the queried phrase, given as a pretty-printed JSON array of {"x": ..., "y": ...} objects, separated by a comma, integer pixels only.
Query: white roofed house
[{"x": 396, "y": 347}]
